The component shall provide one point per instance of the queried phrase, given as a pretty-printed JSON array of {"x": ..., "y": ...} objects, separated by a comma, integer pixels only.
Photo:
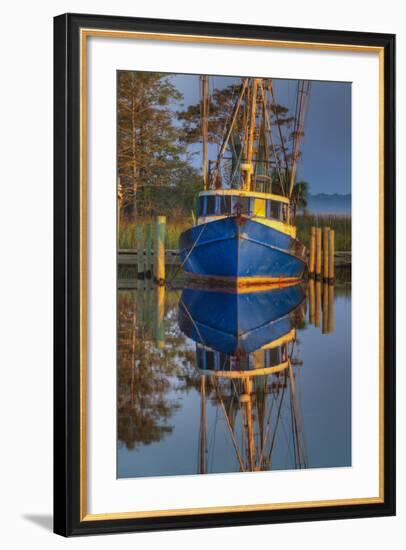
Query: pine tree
[{"x": 150, "y": 152}]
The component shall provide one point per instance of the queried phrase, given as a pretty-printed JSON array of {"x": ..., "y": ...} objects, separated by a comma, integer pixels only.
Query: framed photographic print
[{"x": 224, "y": 274}]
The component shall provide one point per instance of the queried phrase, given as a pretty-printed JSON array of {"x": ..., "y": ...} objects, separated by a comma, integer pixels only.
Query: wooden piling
[
  {"x": 148, "y": 251},
  {"x": 317, "y": 313},
  {"x": 324, "y": 328},
  {"x": 311, "y": 301},
  {"x": 326, "y": 231},
  {"x": 331, "y": 251},
  {"x": 139, "y": 235},
  {"x": 330, "y": 308},
  {"x": 159, "y": 250},
  {"x": 312, "y": 251},
  {"x": 318, "y": 252},
  {"x": 159, "y": 313}
]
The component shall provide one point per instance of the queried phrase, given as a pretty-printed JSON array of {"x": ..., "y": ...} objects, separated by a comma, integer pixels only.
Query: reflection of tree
[{"x": 148, "y": 377}]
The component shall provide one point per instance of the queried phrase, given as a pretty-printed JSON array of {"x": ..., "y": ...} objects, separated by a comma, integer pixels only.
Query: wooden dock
[
  {"x": 172, "y": 258},
  {"x": 130, "y": 257}
]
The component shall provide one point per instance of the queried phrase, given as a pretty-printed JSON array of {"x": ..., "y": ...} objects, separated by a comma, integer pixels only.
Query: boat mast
[
  {"x": 204, "y": 127},
  {"x": 251, "y": 137},
  {"x": 246, "y": 398}
]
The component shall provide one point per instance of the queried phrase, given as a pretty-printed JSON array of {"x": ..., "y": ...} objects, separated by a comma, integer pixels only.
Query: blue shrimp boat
[
  {"x": 245, "y": 231},
  {"x": 241, "y": 238}
]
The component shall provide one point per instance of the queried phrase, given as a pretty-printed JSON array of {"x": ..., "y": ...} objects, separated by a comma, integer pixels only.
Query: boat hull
[
  {"x": 239, "y": 250},
  {"x": 239, "y": 322}
]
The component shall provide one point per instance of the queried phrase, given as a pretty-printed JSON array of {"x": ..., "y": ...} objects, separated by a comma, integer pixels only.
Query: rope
[{"x": 188, "y": 254}]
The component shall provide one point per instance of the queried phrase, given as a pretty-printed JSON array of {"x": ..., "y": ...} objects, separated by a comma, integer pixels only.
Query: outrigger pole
[{"x": 301, "y": 108}]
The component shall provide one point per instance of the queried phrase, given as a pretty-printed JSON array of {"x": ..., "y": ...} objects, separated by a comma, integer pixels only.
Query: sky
[{"x": 326, "y": 160}]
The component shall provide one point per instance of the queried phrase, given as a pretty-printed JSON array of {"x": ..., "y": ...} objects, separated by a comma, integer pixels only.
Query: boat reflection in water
[{"x": 245, "y": 342}]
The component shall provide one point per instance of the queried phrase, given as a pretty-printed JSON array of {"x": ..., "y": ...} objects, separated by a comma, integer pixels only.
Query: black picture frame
[{"x": 67, "y": 390}]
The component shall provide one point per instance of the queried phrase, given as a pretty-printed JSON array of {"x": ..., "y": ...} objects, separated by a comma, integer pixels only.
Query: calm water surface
[{"x": 213, "y": 382}]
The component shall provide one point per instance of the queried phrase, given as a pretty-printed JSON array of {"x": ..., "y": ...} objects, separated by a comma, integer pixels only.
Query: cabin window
[
  {"x": 224, "y": 362},
  {"x": 244, "y": 362},
  {"x": 210, "y": 205},
  {"x": 241, "y": 205},
  {"x": 274, "y": 209},
  {"x": 225, "y": 204},
  {"x": 200, "y": 357},
  {"x": 210, "y": 360},
  {"x": 200, "y": 206},
  {"x": 259, "y": 207},
  {"x": 274, "y": 357}
]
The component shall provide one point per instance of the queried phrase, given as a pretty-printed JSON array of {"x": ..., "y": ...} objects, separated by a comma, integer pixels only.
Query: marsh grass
[
  {"x": 340, "y": 224},
  {"x": 174, "y": 228}
]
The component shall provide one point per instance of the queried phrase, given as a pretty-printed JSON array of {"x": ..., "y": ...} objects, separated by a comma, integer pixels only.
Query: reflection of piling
[
  {"x": 324, "y": 329},
  {"x": 326, "y": 231},
  {"x": 318, "y": 252},
  {"x": 139, "y": 303},
  {"x": 119, "y": 202},
  {"x": 159, "y": 250},
  {"x": 331, "y": 257},
  {"x": 330, "y": 308},
  {"x": 317, "y": 304},
  {"x": 148, "y": 255},
  {"x": 148, "y": 304},
  {"x": 139, "y": 234},
  {"x": 311, "y": 301},
  {"x": 159, "y": 328},
  {"x": 312, "y": 251}
]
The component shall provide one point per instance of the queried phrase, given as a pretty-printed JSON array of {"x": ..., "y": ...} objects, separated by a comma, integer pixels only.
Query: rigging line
[
  {"x": 299, "y": 97},
  {"x": 270, "y": 86},
  {"x": 227, "y": 136},
  {"x": 272, "y": 141},
  {"x": 277, "y": 422},
  {"x": 284, "y": 431},
  {"x": 188, "y": 254},
  {"x": 268, "y": 426},
  {"x": 229, "y": 425},
  {"x": 212, "y": 444},
  {"x": 304, "y": 95},
  {"x": 293, "y": 421},
  {"x": 236, "y": 167},
  {"x": 193, "y": 321},
  {"x": 302, "y": 442},
  {"x": 274, "y": 400},
  {"x": 297, "y": 427},
  {"x": 228, "y": 118}
]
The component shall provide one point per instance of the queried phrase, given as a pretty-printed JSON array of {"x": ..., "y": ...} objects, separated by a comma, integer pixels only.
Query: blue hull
[
  {"x": 238, "y": 247},
  {"x": 239, "y": 322}
]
